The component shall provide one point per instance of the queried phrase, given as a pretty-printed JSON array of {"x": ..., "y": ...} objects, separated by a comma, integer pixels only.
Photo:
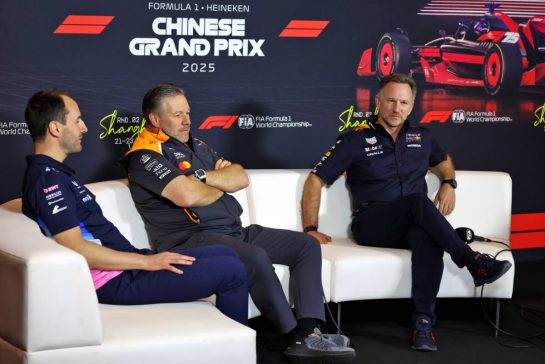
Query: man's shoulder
[
  {"x": 200, "y": 144},
  {"x": 42, "y": 175},
  {"x": 357, "y": 134},
  {"x": 411, "y": 126},
  {"x": 142, "y": 158}
]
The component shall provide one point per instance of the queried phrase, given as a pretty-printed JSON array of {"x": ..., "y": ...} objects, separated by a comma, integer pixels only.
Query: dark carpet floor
[{"x": 380, "y": 329}]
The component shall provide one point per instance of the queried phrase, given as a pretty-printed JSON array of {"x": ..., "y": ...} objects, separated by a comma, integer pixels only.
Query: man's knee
[
  {"x": 238, "y": 270},
  {"x": 312, "y": 247},
  {"x": 257, "y": 260},
  {"x": 223, "y": 250},
  {"x": 420, "y": 242}
]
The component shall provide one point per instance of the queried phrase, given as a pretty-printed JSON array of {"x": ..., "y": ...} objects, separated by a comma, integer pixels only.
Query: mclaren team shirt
[
  {"x": 379, "y": 168},
  {"x": 153, "y": 162},
  {"x": 58, "y": 201}
]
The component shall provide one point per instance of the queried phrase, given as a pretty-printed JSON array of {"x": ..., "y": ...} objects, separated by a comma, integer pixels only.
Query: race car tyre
[
  {"x": 393, "y": 54},
  {"x": 502, "y": 68}
]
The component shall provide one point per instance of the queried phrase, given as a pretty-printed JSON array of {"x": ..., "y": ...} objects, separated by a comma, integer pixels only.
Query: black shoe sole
[
  {"x": 424, "y": 348},
  {"x": 320, "y": 360},
  {"x": 505, "y": 268},
  {"x": 329, "y": 358}
]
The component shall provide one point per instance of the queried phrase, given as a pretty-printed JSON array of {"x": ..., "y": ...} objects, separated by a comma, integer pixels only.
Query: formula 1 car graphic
[{"x": 492, "y": 51}]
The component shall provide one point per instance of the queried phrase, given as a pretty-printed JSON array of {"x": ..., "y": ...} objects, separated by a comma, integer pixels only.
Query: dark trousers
[
  {"x": 216, "y": 270},
  {"x": 259, "y": 247},
  {"x": 413, "y": 222}
]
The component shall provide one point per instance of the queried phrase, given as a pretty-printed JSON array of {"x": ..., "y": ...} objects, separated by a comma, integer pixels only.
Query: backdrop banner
[{"x": 271, "y": 84}]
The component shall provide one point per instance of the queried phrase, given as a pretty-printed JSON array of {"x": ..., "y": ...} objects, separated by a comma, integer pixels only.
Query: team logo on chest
[
  {"x": 413, "y": 140},
  {"x": 372, "y": 140}
]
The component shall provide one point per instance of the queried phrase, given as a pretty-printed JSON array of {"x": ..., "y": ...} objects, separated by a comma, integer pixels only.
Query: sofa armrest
[{"x": 48, "y": 299}]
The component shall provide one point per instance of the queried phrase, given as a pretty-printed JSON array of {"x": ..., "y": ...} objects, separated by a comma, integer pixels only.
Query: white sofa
[
  {"x": 49, "y": 311},
  {"x": 483, "y": 203}
]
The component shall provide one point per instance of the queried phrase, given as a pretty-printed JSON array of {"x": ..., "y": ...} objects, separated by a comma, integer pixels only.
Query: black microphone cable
[{"x": 524, "y": 338}]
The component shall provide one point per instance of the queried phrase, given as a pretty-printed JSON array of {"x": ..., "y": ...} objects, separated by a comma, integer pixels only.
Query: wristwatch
[
  {"x": 201, "y": 175},
  {"x": 451, "y": 182},
  {"x": 310, "y": 228}
]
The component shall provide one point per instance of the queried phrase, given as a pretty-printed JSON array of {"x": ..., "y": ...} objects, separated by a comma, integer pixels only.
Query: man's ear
[
  {"x": 53, "y": 128},
  {"x": 153, "y": 119}
]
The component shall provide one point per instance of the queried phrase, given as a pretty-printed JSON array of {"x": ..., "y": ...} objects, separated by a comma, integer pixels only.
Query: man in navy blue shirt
[
  {"x": 67, "y": 211},
  {"x": 385, "y": 166}
]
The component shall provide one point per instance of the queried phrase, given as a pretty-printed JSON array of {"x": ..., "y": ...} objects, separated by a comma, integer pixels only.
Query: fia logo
[
  {"x": 246, "y": 121},
  {"x": 458, "y": 116}
]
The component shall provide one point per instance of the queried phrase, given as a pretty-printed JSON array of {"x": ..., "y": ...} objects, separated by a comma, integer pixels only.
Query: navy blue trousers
[
  {"x": 413, "y": 222},
  {"x": 259, "y": 247},
  {"x": 216, "y": 270}
]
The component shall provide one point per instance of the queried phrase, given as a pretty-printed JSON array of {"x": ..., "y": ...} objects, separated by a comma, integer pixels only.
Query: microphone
[{"x": 467, "y": 235}]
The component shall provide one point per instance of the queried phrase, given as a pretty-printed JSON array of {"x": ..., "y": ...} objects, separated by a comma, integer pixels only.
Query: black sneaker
[
  {"x": 423, "y": 338},
  {"x": 316, "y": 349},
  {"x": 485, "y": 269}
]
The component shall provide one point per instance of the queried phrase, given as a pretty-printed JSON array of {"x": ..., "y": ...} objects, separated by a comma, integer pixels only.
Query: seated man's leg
[
  {"x": 265, "y": 288},
  {"x": 427, "y": 271},
  {"x": 216, "y": 270},
  {"x": 302, "y": 254},
  {"x": 383, "y": 224},
  {"x": 483, "y": 268}
]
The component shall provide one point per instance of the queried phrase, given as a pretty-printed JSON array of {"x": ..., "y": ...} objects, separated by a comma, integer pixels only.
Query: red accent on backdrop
[
  {"x": 527, "y": 230},
  {"x": 304, "y": 28},
  {"x": 84, "y": 24}
]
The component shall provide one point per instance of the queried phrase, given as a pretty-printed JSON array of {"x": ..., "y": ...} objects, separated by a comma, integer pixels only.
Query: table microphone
[{"x": 468, "y": 236}]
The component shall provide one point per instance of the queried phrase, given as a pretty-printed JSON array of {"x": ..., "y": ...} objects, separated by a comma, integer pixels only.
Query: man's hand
[
  {"x": 322, "y": 238},
  {"x": 445, "y": 200},
  {"x": 164, "y": 261},
  {"x": 222, "y": 163}
]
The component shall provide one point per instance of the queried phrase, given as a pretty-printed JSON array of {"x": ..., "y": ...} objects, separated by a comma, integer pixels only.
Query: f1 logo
[
  {"x": 224, "y": 121},
  {"x": 440, "y": 116}
]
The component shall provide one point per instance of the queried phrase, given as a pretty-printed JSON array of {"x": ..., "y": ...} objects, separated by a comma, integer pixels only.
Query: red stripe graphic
[
  {"x": 304, "y": 28},
  {"x": 84, "y": 24},
  {"x": 528, "y": 222},
  {"x": 528, "y": 240},
  {"x": 528, "y": 230}
]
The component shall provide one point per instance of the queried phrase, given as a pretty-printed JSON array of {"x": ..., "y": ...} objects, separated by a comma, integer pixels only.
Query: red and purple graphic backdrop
[{"x": 271, "y": 84}]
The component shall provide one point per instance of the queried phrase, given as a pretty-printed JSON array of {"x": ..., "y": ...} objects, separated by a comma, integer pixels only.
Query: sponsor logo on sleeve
[
  {"x": 57, "y": 209},
  {"x": 150, "y": 165},
  {"x": 56, "y": 201},
  {"x": 53, "y": 195},
  {"x": 51, "y": 188},
  {"x": 145, "y": 158}
]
